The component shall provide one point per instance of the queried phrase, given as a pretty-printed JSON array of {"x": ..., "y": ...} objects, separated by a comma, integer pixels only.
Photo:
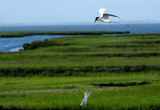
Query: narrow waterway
[{"x": 16, "y": 43}]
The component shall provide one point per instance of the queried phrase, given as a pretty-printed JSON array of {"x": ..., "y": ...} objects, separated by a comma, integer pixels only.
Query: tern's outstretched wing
[
  {"x": 89, "y": 93},
  {"x": 101, "y": 11},
  {"x": 105, "y": 15}
]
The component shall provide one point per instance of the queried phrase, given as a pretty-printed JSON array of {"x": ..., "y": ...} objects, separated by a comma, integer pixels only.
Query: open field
[
  {"x": 67, "y": 92},
  {"x": 123, "y": 71}
]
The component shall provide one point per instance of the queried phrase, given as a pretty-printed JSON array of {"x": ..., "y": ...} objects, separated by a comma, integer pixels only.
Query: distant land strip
[{"x": 29, "y": 33}]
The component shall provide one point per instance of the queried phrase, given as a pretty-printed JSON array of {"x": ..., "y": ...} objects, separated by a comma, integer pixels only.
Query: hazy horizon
[{"x": 79, "y": 23}]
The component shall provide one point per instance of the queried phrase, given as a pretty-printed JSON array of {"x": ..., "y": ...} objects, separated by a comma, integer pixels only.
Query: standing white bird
[
  {"x": 85, "y": 98},
  {"x": 104, "y": 16}
]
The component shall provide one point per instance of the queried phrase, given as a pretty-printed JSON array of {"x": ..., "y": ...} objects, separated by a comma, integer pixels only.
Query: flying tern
[{"x": 104, "y": 16}]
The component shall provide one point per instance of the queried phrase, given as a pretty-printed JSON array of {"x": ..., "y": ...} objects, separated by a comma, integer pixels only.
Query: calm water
[
  {"x": 133, "y": 28},
  {"x": 14, "y": 44}
]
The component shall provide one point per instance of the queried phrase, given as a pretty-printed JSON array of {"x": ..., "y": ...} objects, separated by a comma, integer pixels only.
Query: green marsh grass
[
  {"x": 107, "y": 53},
  {"x": 55, "y": 76},
  {"x": 68, "y": 92}
]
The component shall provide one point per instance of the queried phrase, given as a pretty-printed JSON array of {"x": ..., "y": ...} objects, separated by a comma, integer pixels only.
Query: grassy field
[
  {"x": 67, "y": 92},
  {"x": 123, "y": 71}
]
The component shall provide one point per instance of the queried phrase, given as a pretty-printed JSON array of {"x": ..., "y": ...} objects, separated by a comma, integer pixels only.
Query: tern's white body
[
  {"x": 103, "y": 20},
  {"x": 85, "y": 98}
]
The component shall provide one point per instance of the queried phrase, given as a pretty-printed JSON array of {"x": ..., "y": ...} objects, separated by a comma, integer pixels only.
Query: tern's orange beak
[{"x": 109, "y": 22}]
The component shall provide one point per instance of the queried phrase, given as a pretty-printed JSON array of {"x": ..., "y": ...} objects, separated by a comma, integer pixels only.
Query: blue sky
[{"x": 68, "y": 11}]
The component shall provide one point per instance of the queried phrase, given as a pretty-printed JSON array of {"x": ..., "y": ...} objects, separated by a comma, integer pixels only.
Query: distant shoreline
[{"x": 29, "y": 33}]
